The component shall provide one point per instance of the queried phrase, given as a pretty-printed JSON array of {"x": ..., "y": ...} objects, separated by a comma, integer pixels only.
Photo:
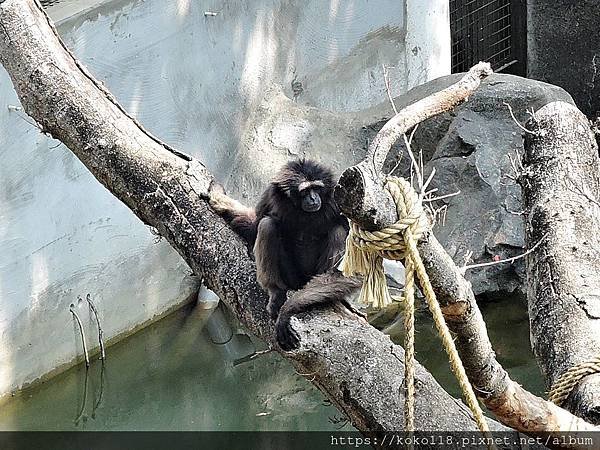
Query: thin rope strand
[{"x": 409, "y": 347}]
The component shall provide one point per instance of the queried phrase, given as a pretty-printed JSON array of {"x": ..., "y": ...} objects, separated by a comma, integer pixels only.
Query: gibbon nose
[{"x": 311, "y": 202}]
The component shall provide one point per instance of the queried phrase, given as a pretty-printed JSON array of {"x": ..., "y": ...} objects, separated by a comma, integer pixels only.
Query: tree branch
[
  {"x": 169, "y": 192},
  {"x": 375, "y": 210},
  {"x": 363, "y": 199},
  {"x": 561, "y": 188}
]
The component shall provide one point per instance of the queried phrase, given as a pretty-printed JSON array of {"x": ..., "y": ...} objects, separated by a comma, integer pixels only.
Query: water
[
  {"x": 171, "y": 376},
  {"x": 508, "y": 329}
]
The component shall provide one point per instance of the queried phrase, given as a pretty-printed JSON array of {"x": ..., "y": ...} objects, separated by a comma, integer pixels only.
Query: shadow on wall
[{"x": 196, "y": 80}]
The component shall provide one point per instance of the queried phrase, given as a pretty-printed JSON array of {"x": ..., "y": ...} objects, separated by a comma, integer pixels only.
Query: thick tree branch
[
  {"x": 363, "y": 199},
  {"x": 375, "y": 210},
  {"x": 561, "y": 187},
  {"x": 356, "y": 366}
]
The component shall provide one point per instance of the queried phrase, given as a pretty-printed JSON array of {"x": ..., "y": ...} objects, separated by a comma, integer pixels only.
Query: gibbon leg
[{"x": 274, "y": 267}]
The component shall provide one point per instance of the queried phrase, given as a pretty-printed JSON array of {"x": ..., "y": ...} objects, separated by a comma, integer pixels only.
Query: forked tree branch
[
  {"x": 169, "y": 191},
  {"x": 363, "y": 199}
]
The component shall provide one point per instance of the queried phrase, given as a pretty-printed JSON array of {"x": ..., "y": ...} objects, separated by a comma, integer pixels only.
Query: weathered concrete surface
[
  {"x": 563, "y": 40},
  {"x": 203, "y": 84}
]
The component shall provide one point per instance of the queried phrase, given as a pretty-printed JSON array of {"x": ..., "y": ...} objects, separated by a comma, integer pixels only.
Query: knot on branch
[{"x": 365, "y": 250}]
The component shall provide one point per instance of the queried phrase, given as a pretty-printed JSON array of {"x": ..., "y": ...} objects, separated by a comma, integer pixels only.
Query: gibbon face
[{"x": 309, "y": 194}]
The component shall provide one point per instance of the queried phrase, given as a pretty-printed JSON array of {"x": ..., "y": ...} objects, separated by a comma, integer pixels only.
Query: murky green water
[
  {"x": 508, "y": 328},
  {"x": 171, "y": 376}
]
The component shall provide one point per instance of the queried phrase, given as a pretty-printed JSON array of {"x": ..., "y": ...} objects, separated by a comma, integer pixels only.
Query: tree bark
[
  {"x": 561, "y": 186},
  {"x": 511, "y": 404},
  {"x": 357, "y": 367}
]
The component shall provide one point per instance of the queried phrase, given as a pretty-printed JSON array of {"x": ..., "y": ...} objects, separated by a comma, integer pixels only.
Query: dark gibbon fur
[{"x": 298, "y": 237}]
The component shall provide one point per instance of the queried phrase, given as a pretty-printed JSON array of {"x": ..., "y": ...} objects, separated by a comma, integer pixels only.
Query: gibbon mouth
[{"x": 312, "y": 208}]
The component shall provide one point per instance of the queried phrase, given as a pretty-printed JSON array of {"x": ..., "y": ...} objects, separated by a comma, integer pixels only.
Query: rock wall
[
  {"x": 471, "y": 150},
  {"x": 564, "y": 48}
]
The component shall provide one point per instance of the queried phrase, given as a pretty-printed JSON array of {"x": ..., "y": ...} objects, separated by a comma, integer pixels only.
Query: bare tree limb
[
  {"x": 169, "y": 191},
  {"x": 561, "y": 189},
  {"x": 502, "y": 261},
  {"x": 376, "y": 209}
]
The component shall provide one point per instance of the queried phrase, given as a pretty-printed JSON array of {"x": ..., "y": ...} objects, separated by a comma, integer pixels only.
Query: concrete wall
[
  {"x": 564, "y": 48},
  {"x": 194, "y": 80}
]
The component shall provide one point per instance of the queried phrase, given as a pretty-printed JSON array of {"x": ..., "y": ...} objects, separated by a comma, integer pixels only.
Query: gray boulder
[{"x": 470, "y": 149}]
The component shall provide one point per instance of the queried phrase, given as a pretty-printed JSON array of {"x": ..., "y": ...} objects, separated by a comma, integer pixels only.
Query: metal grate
[{"x": 488, "y": 30}]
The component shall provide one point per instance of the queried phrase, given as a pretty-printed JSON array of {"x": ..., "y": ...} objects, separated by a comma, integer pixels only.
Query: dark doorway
[{"x": 489, "y": 30}]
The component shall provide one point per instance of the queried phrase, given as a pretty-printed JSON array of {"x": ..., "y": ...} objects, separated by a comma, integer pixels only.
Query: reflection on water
[
  {"x": 173, "y": 376},
  {"x": 170, "y": 376}
]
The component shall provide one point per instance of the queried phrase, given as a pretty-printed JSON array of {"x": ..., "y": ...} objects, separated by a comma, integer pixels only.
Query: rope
[
  {"x": 365, "y": 251},
  {"x": 409, "y": 347},
  {"x": 563, "y": 386}
]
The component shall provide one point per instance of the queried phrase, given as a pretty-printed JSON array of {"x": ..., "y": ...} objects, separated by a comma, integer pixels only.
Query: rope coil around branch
[
  {"x": 365, "y": 251},
  {"x": 567, "y": 381}
]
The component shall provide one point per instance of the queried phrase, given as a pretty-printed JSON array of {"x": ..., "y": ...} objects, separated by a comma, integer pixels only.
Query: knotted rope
[
  {"x": 567, "y": 381},
  {"x": 365, "y": 252}
]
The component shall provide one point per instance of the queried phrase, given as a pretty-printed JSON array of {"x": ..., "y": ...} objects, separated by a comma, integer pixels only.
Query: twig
[
  {"x": 440, "y": 213},
  {"x": 412, "y": 134},
  {"x": 467, "y": 257},
  {"x": 441, "y": 197},
  {"x": 424, "y": 187},
  {"x": 410, "y": 139},
  {"x": 516, "y": 165},
  {"x": 396, "y": 165},
  {"x": 514, "y": 258},
  {"x": 517, "y": 122},
  {"x": 531, "y": 113},
  {"x": 82, "y": 333},
  {"x": 252, "y": 356},
  {"x": 388, "y": 89},
  {"x": 414, "y": 164},
  {"x": 100, "y": 332},
  {"x": 421, "y": 167}
]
